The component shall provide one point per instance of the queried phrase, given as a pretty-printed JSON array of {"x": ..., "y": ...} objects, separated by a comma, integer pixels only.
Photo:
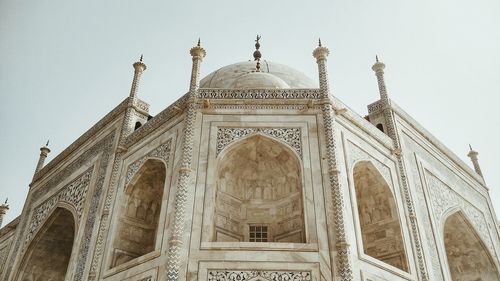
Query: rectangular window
[{"x": 258, "y": 233}]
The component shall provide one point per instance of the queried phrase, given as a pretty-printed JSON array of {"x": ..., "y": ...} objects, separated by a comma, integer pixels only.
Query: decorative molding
[
  {"x": 74, "y": 194},
  {"x": 259, "y": 94},
  {"x": 160, "y": 119},
  {"x": 444, "y": 198},
  {"x": 376, "y": 106},
  {"x": 161, "y": 152},
  {"x": 224, "y": 275},
  {"x": 290, "y": 136}
]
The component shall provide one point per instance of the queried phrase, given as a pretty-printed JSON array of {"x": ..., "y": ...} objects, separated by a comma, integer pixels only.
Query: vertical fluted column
[
  {"x": 3, "y": 210},
  {"x": 475, "y": 162},
  {"x": 392, "y": 132},
  {"x": 44, "y": 151},
  {"x": 185, "y": 171},
  {"x": 338, "y": 208}
]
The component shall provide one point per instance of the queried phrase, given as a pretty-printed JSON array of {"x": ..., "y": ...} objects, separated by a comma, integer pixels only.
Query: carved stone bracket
[
  {"x": 290, "y": 136},
  {"x": 73, "y": 194},
  {"x": 161, "y": 152},
  {"x": 223, "y": 275},
  {"x": 444, "y": 198}
]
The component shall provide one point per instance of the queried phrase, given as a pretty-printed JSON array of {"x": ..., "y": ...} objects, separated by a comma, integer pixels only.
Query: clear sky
[{"x": 65, "y": 64}]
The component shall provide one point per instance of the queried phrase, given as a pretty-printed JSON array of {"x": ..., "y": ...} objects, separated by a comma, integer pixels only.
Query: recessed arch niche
[
  {"x": 378, "y": 217},
  {"x": 259, "y": 193},
  {"x": 48, "y": 256},
  {"x": 139, "y": 213},
  {"x": 468, "y": 259}
]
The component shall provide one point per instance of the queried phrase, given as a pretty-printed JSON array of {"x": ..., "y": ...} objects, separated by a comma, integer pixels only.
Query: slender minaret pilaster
[
  {"x": 128, "y": 124},
  {"x": 44, "y": 151},
  {"x": 338, "y": 214},
  {"x": 3, "y": 210},
  {"x": 378, "y": 67},
  {"x": 184, "y": 180},
  {"x": 139, "y": 68},
  {"x": 321, "y": 53},
  {"x": 392, "y": 132},
  {"x": 473, "y": 157}
]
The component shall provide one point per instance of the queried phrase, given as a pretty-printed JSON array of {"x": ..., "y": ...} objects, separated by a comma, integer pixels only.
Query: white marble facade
[{"x": 254, "y": 175}]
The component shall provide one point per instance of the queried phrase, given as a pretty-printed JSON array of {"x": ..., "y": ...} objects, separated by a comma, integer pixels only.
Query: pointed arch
[
  {"x": 139, "y": 214},
  {"x": 48, "y": 256},
  {"x": 259, "y": 193},
  {"x": 378, "y": 216},
  {"x": 468, "y": 258}
]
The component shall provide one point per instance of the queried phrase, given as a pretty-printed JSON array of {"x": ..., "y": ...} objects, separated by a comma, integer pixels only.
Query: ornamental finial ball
[{"x": 378, "y": 66}]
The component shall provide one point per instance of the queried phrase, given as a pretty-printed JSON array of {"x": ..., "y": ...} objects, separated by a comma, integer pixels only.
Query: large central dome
[{"x": 242, "y": 75}]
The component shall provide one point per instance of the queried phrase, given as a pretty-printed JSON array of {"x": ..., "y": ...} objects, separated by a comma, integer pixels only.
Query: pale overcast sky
[{"x": 65, "y": 64}]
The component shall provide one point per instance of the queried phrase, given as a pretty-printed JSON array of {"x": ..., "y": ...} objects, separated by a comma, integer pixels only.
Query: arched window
[
  {"x": 378, "y": 217},
  {"x": 137, "y": 125},
  {"x": 48, "y": 256},
  {"x": 140, "y": 213},
  {"x": 259, "y": 193},
  {"x": 468, "y": 259}
]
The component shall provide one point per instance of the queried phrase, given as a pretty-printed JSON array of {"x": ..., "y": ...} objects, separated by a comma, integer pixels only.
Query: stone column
[
  {"x": 392, "y": 132},
  {"x": 378, "y": 67},
  {"x": 339, "y": 216},
  {"x": 3, "y": 210},
  {"x": 44, "y": 151},
  {"x": 185, "y": 171},
  {"x": 128, "y": 126},
  {"x": 473, "y": 157}
]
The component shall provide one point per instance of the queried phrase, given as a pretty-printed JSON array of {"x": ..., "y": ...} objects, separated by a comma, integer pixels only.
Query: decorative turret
[
  {"x": 3, "y": 210},
  {"x": 197, "y": 53},
  {"x": 379, "y": 67},
  {"x": 139, "y": 68},
  {"x": 473, "y": 157},
  {"x": 44, "y": 151},
  {"x": 321, "y": 53}
]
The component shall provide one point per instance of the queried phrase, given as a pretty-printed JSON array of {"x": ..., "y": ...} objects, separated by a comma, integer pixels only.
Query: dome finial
[
  {"x": 376, "y": 58},
  {"x": 319, "y": 42},
  {"x": 140, "y": 59},
  {"x": 257, "y": 55},
  {"x": 199, "y": 42}
]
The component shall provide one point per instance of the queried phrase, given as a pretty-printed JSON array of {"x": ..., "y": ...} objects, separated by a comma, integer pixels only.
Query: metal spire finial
[
  {"x": 470, "y": 147},
  {"x": 47, "y": 144},
  {"x": 199, "y": 42},
  {"x": 319, "y": 42},
  {"x": 376, "y": 58},
  {"x": 6, "y": 199},
  {"x": 141, "y": 58},
  {"x": 257, "y": 55}
]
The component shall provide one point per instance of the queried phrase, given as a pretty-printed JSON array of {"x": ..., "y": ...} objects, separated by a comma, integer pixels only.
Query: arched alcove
[
  {"x": 139, "y": 213},
  {"x": 378, "y": 217},
  {"x": 48, "y": 256},
  {"x": 259, "y": 193},
  {"x": 468, "y": 259}
]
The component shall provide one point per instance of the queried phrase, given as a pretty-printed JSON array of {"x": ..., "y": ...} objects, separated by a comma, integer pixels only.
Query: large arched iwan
[
  {"x": 139, "y": 213},
  {"x": 468, "y": 259},
  {"x": 259, "y": 193},
  {"x": 378, "y": 217},
  {"x": 49, "y": 254}
]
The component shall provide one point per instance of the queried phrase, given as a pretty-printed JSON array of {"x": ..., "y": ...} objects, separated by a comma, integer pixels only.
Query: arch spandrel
[
  {"x": 259, "y": 193},
  {"x": 378, "y": 216},
  {"x": 467, "y": 256},
  {"x": 48, "y": 256}
]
